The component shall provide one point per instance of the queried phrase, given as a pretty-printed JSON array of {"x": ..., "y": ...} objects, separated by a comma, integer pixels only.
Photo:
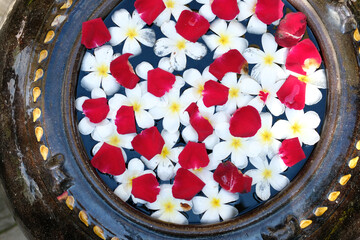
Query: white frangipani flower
[
  {"x": 236, "y": 97},
  {"x": 167, "y": 207},
  {"x": 164, "y": 162},
  {"x": 255, "y": 25},
  {"x": 215, "y": 204},
  {"x": 267, "y": 174},
  {"x": 140, "y": 103},
  {"x": 299, "y": 124},
  {"x": 266, "y": 61},
  {"x": 206, "y": 11},
  {"x": 173, "y": 7},
  {"x": 99, "y": 67},
  {"x": 178, "y": 47},
  {"x": 130, "y": 29},
  {"x": 227, "y": 37},
  {"x": 265, "y": 93}
]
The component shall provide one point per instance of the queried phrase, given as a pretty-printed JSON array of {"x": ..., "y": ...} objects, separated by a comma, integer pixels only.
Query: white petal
[
  {"x": 118, "y": 35},
  {"x": 278, "y": 182},
  {"x": 239, "y": 159},
  {"x": 163, "y": 47},
  {"x": 174, "y": 154},
  {"x": 97, "y": 93},
  {"x": 126, "y": 140},
  {"x": 115, "y": 103},
  {"x": 245, "y": 12},
  {"x": 165, "y": 170},
  {"x": 239, "y": 44},
  {"x": 110, "y": 85},
  {"x": 220, "y": 51},
  {"x": 219, "y": 26},
  {"x": 178, "y": 61},
  {"x": 96, "y": 148},
  {"x": 136, "y": 164},
  {"x": 142, "y": 69},
  {"x": 85, "y": 126},
  {"x": 152, "y": 163},
  {"x": 223, "y": 131},
  {"x": 266, "y": 120},
  {"x": 169, "y": 30},
  {"x": 252, "y": 148},
  {"x": 281, "y": 55},
  {"x": 91, "y": 81},
  {"x": 158, "y": 112},
  {"x": 227, "y": 197},
  {"x": 259, "y": 162},
  {"x": 88, "y": 63},
  {"x": 249, "y": 86},
  {"x": 318, "y": 79},
  {"x": 281, "y": 129},
  {"x": 102, "y": 131},
  {"x": 311, "y": 119},
  {"x": 236, "y": 29},
  {"x": 294, "y": 115},
  {"x": 104, "y": 54},
  {"x": 147, "y": 37},
  {"x": 207, "y": 13},
  {"x": 309, "y": 136},
  {"x": 121, "y": 18},
  {"x": 212, "y": 41},
  {"x": 131, "y": 46},
  {"x": 256, "y": 26},
  {"x": 275, "y": 106},
  {"x": 263, "y": 190},
  {"x": 255, "y": 174},
  {"x": 228, "y": 212},
  {"x": 122, "y": 193},
  {"x": 211, "y": 190},
  {"x": 171, "y": 123},
  {"x": 312, "y": 95},
  {"x": 165, "y": 64},
  {"x": 163, "y": 17},
  {"x": 134, "y": 94},
  {"x": 170, "y": 138},
  {"x": 192, "y": 77},
  {"x": 277, "y": 165},
  {"x": 268, "y": 43},
  {"x": 257, "y": 103},
  {"x": 149, "y": 101},
  {"x": 221, "y": 150},
  {"x": 196, "y": 50},
  {"x": 210, "y": 216},
  {"x": 200, "y": 204},
  {"x": 253, "y": 55},
  {"x": 211, "y": 141},
  {"x": 79, "y": 102},
  {"x": 144, "y": 119},
  {"x": 189, "y": 134}
]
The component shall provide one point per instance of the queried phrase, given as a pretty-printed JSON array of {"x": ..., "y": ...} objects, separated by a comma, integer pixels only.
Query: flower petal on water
[
  {"x": 94, "y": 33},
  {"x": 109, "y": 159},
  {"x": 123, "y": 72},
  {"x": 292, "y": 93},
  {"x": 245, "y": 122},
  {"x": 186, "y": 185},
  {"x": 148, "y": 143},
  {"x": 201, "y": 125},
  {"x": 269, "y": 11},
  {"x": 146, "y": 187},
  {"x": 194, "y": 156},
  {"x": 215, "y": 93},
  {"x": 149, "y": 10},
  {"x": 96, "y": 109},
  {"x": 160, "y": 82},
  {"x": 225, "y": 9},
  {"x": 291, "y": 29},
  {"x": 191, "y": 25},
  {"x": 291, "y": 152},
  {"x": 125, "y": 120}
]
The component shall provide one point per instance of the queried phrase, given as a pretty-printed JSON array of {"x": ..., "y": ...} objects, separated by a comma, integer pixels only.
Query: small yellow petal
[
  {"x": 70, "y": 202},
  {"x": 320, "y": 211},
  {"x": 43, "y": 55},
  {"x": 358, "y": 145},
  {"x": 58, "y": 20},
  {"x": 44, "y": 151},
  {"x": 67, "y": 4},
  {"x": 39, "y": 74},
  {"x": 99, "y": 232},
  {"x": 357, "y": 35},
  {"x": 49, "y": 36},
  {"x": 36, "y": 93},
  {"x": 36, "y": 114},
  {"x": 84, "y": 218},
  {"x": 305, "y": 223},
  {"x": 115, "y": 238},
  {"x": 333, "y": 196},
  {"x": 344, "y": 179},
  {"x": 353, "y": 162},
  {"x": 39, "y": 132}
]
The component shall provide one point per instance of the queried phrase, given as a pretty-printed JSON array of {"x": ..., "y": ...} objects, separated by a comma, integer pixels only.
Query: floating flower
[
  {"x": 94, "y": 33},
  {"x": 245, "y": 122},
  {"x": 186, "y": 184},
  {"x": 110, "y": 160},
  {"x": 194, "y": 156},
  {"x": 265, "y": 94},
  {"x": 266, "y": 61},
  {"x": 266, "y": 175},
  {"x": 292, "y": 93},
  {"x": 95, "y": 110},
  {"x": 178, "y": 47},
  {"x": 168, "y": 208},
  {"x": 205, "y": 10},
  {"x": 226, "y": 37},
  {"x": 123, "y": 71},
  {"x": 201, "y": 125},
  {"x": 148, "y": 143},
  {"x": 225, "y": 9},
  {"x": 164, "y": 161},
  {"x": 173, "y": 7},
  {"x": 139, "y": 101},
  {"x": 236, "y": 98},
  {"x": 291, "y": 152},
  {"x": 99, "y": 67},
  {"x": 239, "y": 148},
  {"x": 191, "y": 25},
  {"x": 291, "y": 29},
  {"x": 125, "y": 120},
  {"x": 299, "y": 124},
  {"x": 130, "y": 29},
  {"x": 149, "y": 10},
  {"x": 146, "y": 187},
  {"x": 215, "y": 204}
]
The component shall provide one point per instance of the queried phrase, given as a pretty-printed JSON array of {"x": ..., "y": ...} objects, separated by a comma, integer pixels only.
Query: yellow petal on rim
[
  {"x": 36, "y": 93},
  {"x": 115, "y": 238},
  {"x": 353, "y": 162},
  {"x": 49, "y": 36},
  {"x": 44, "y": 152},
  {"x": 70, "y": 202},
  {"x": 39, "y": 132},
  {"x": 344, "y": 179},
  {"x": 358, "y": 145},
  {"x": 320, "y": 211},
  {"x": 357, "y": 35},
  {"x": 36, "y": 114},
  {"x": 305, "y": 223},
  {"x": 38, "y": 74},
  {"x": 333, "y": 196},
  {"x": 43, "y": 55},
  {"x": 58, "y": 20},
  {"x": 84, "y": 218},
  {"x": 99, "y": 232},
  {"x": 67, "y": 4}
]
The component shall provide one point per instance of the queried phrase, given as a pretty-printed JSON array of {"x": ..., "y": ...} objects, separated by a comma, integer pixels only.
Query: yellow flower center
[
  {"x": 254, "y": 8},
  {"x": 200, "y": 89},
  {"x": 103, "y": 70},
  {"x": 310, "y": 65},
  {"x": 234, "y": 92},
  {"x": 115, "y": 141},
  {"x": 215, "y": 203},
  {"x": 170, "y": 3},
  {"x": 132, "y": 33},
  {"x": 296, "y": 128},
  {"x": 198, "y": 170},
  {"x": 266, "y": 136},
  {"x": 304, "y": 79},
  {"x": 224, "y": 39},
  {"x": 267, "y": 173},
  {"x": 174, "y": 107},
  {"x": 268, "y": 59},
  {"x": 236, "y": 143},
  {"x": 136, "y": 107},
  {"x": 165, "y": 152},
  {"x": 130, "y": 183},
  {"x": 181, "y": 45},
  {"x": 168, "y": 206}
]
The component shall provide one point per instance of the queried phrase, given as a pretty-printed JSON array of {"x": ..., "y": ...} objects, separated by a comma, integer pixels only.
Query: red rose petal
[
  {"x": 96, "y": 109},
  {"x": 303, "y": 57},
  {"x": 291, "y": 29},
  {"x": 231, "y": 179},
  {"x": 192, "y": 25},
  {"x": 215, "y": 93},
  {"x": 201, "y": 125},
  {"x": 269, "y": 11},
  {"x": 94, "y": 33},
  {"x": 245, "y": 122},
  {"x": 125, "y": 120},
  {"x": 186, "y": 185},
  {"x": 231, "y": 61},
  {"x": 149, "y": 10},
  {"x": 291, "y": 152},
  {"x": 225, "y": 9},
  {"x": 160, "y": 82},
  {"x": 146, "y": 187},
  {"x": 123, "y": 72},
  {"x": 292, "y": 93},
  {"x": 263, "y": 96},
  {"x": 109, "y": 159},
  {"x": 148, "y": 143},
  {"x": 194, "y": 156}
]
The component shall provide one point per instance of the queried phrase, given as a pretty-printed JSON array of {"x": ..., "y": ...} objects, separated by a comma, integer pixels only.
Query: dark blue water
[{"x": 247, "y": 201}]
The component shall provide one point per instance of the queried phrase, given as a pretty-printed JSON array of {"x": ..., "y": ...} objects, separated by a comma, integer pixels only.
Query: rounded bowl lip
[{"x": 268, "y": 208}]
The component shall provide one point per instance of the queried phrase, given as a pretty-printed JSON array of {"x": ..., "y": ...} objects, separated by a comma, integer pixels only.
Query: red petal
[
  {"x": 194, "y": 156},
  {"x": 192, "y": 25},
  {"x": 231, "y": 179},
  {"x": 215, "y": 93},
  {"x": 232, "y": 61},
  {"x": 292, "y": 93},
  {"x": 160, "y": 82},
  {"x": 148, "y": 143},
  {"x": 94, "y": 33},
  {"x": 123, "y": 72},
  {"x": 145, "y": 187},
  {"x": 303, "y": 57},
  {"x": 201, "y": 125},
  {"x": 291, "y": 29},
  {"x": 186, "y": 185},
  {"x": 149, "y": 10},
  {"x": 291, "y": 152},
  {"x": 125, "y": 120},
  {"x": 269, "y": 11},
  {"x": 225, "y": 9},
  {"x": 245, "y": 122},
  {"x": 109, "y": 159},
  {"x": 96, "y": 109},
  {"x": 263, "y": 96}
]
